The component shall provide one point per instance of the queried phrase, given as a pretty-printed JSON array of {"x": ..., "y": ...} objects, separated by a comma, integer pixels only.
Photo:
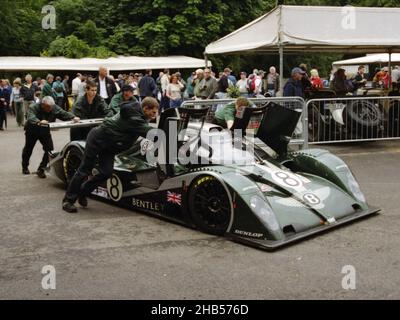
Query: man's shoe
[
  {"x": 69, "y": 207},
  {"x": 83, "y": 201},
  {"x": 25, "y": 171},
  {"x": 41, "y": 173}
]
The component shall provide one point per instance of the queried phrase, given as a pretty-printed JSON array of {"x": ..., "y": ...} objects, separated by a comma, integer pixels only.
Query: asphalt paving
[{"x": 105, "y": 252}]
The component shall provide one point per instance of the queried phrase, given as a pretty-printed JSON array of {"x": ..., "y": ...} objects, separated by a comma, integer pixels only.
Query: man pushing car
[{"x": 113, "y": 136}]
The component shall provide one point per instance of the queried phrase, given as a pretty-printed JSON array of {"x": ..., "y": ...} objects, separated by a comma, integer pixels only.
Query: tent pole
[
  {"x": 390, "y": 69},
  {"x": 205, "y": 60},
  {"x": 281, "y": 69}
]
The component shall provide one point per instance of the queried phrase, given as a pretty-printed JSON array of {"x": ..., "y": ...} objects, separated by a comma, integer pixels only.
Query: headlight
[
  {"x": 264, "y": 212},
  {"x": 355, "y": 188}
]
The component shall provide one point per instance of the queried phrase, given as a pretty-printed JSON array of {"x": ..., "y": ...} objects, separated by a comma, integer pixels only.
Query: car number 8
[
  {"x": 311, "y": 198},
  {"x": 114, "y": 188},
  {"x": 287, "y": 179}
]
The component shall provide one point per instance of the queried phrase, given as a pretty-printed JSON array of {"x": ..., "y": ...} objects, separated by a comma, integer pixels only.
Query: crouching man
[
  {"x": 226, "y": 115},
  {"x": 39, "y": 116},
  {"x": 113, "y": 136}
]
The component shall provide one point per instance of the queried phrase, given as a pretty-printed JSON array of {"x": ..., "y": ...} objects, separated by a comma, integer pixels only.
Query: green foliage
[
  {"x": 103, "y": 28},
  {"x": 69, "y": 47},
  {"x": 233, "y": 92}
]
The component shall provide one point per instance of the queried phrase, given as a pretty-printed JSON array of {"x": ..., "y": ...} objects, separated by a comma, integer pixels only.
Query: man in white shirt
[
  {"x": 396, "y": 76},
  {"x": 75, "y": 84},
  {"x": 105, "y": 85}
]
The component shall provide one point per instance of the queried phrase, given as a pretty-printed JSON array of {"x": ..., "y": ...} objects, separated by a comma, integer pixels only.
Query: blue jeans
[{"x": 175, "y": 103}]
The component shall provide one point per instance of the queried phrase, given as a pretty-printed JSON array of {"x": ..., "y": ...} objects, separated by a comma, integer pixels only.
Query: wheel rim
[
  {"x": 366, "y": 112},
  {"x": 211, "y": 204}
]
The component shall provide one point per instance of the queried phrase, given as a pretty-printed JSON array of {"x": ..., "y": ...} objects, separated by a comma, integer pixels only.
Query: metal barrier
[
  {"x": 300, "y": 136},
  {"x": 352, "y": 119}
]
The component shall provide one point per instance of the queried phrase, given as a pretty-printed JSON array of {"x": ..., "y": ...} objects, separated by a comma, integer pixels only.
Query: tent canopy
[
  {"x": 91, "y": 64},
  {"x": 316, "y": 29},
  {"x": 381, "y": 58}
]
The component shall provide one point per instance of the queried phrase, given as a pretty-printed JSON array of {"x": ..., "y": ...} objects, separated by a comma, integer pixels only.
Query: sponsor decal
[
  {"x": 204, "y": 179},
  {"x": 175, "y": 198},
  {"x": 145, "y": 145},
  {"x": 148, "y": 205},
  {"x": 101, "y": 192},
  {"x": 249, "y": 234}
]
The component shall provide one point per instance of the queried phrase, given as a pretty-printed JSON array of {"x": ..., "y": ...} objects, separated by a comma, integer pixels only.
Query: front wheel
[
  {"x": 209, "y": 205},
  {"x": 72, "y": 161}
]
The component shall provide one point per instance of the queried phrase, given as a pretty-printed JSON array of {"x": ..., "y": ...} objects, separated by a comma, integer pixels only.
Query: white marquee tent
[
  {"x": 91, "y": 64},
  {"x": 381, "y": 58},
  {"x": 315, "y": 29}
]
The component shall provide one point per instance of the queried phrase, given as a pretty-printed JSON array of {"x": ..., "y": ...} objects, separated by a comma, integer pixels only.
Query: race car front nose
[{"x": 264, "y": 212}]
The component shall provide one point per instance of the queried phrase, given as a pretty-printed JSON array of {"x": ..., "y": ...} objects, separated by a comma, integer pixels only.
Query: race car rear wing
[{"x": 71, "y": 124}]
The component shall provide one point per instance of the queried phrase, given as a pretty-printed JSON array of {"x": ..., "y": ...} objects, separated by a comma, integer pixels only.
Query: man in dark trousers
[
  {"x": 113, "y": 136},
  {"x": 147, "y": 86},
  {"x": 105, "y": 85},
  {"x": 36, "y": 128},
  {"x": 89, "y": 106}
]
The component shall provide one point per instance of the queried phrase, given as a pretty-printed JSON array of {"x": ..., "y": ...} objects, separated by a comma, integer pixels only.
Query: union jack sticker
[{"x": 174, "y": 198}]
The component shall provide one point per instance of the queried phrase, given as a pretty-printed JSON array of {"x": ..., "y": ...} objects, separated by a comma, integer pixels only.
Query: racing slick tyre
[
  {"x": 72, "y": 161},
  {"x": 364, "y": 117},
  {"x": 209, "y": 205}
]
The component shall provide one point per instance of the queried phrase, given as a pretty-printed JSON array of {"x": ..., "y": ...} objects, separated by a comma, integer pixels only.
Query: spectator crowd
[{"x": 170, "y": 89}]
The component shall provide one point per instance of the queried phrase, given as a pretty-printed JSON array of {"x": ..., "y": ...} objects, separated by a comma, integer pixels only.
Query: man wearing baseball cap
[
  {"x": 125, "y": 95},
  {"x": 293, "y": 87}
]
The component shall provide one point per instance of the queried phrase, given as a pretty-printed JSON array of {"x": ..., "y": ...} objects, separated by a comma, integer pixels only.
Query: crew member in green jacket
[
  {"x": 113, "y": 136},
  {"x": 126, "y": 94},
  {"x": 89, "y": 106},
  {"x": 226, "y": 115},
  {"x": 48, "y": 87},
  {"x": 38, "y": 117}
]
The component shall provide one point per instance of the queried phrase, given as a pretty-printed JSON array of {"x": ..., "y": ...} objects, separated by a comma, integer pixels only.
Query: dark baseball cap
[
  {"x": 297, "y": 70},
  {"x": 126, "y": 87}
]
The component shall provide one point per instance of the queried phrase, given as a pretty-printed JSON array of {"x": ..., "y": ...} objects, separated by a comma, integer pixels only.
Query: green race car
[{"x": 247, "y": 188}]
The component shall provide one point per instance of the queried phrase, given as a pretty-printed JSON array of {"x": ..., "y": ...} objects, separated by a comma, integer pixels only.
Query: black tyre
[
  {"x": 72, "y": 161},
  {"x": 209, "y": 205}
]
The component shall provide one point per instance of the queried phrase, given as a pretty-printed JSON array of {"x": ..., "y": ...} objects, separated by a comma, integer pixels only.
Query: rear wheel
[
  {"x": 72, "y": 161},
  {"x": 209, "y": 205}
]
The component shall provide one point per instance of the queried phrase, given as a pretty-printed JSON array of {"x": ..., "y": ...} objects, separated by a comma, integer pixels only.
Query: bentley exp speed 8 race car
[{"x": 248, "y": 188}]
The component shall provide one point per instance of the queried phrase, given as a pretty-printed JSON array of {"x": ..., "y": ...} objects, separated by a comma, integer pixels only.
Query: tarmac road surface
[{"x": 106, "y": 252}]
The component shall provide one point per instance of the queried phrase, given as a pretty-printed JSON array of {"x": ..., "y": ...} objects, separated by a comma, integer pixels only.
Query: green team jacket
[
  {"x": 124, "y": 128},
  {"x": 116, "y": 102},
  {"x": 36, "y": 114}
]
